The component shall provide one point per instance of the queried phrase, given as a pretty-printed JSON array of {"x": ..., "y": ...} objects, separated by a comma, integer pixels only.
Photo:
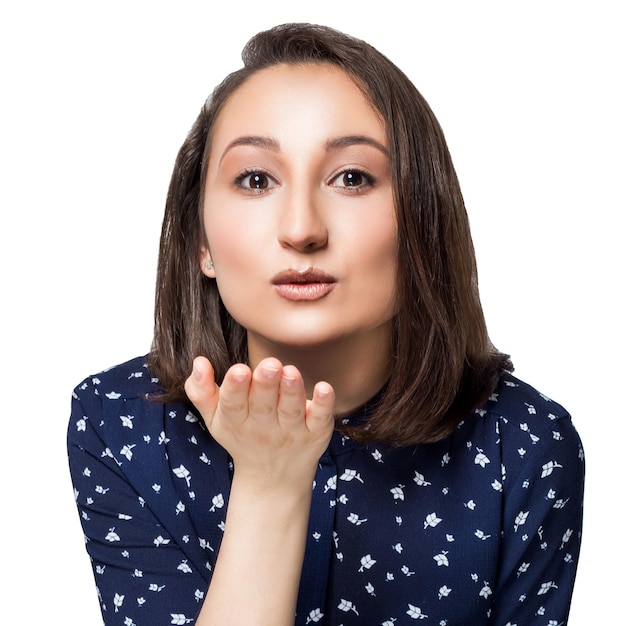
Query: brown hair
[{"x": 443, "y": 364}]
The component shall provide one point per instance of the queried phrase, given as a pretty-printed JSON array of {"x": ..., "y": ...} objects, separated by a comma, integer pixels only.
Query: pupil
[
  {"x": 352, "y": 179},
  {"x": 258, "y": 181}
]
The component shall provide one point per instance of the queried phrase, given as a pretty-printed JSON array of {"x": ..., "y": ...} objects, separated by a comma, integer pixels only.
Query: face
[{"x": 298, "y": 211}]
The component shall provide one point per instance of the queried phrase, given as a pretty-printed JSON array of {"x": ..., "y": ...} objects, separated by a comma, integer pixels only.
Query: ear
[{"x": 206, "y": 263}]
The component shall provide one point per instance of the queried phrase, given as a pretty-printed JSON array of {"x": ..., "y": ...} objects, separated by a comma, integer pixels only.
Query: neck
[{"x": 356, "y": 368}]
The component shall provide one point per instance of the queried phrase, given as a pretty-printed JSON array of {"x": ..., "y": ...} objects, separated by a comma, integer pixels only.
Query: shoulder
[
  {"x": 531, "y": 427},
  {"x": 131, "y": 379},
  {"x": 517, "y": 401},
  {"x": 518, "y": 405},
  {"x": 100, "y": 399}
]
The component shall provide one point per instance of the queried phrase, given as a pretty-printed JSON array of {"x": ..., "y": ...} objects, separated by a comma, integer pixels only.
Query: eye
[
  {"x": 254, "y": 181},
  {"x": 353, "y": 179}
]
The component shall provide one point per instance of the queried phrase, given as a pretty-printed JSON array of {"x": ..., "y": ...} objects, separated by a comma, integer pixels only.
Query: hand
[
  {"x": 263, "y": 419},
  {"x": 275, "y": 437}
]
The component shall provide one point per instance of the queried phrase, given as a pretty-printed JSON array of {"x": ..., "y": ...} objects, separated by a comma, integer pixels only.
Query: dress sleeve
[
  {"x": 542, "y": 527},
  {"x": 142, "y": 575}
]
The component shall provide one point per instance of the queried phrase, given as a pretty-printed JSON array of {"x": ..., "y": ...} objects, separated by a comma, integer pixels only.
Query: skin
[
  {"x": 288, "y": 176},
  {"x": 275, "y": 437},
  {"x": 305, "y": 121}
]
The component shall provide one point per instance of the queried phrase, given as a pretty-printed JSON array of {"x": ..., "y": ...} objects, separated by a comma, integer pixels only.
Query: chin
[
  {"x": 308, "y": 338},
  {"x": 302, "y": 341}
]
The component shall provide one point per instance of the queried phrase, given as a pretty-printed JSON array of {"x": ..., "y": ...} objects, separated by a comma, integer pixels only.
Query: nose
[{"x": 302, "y": 225}]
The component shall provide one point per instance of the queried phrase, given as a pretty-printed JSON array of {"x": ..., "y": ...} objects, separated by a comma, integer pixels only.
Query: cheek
[
  {"x": 230, "y": 239},
  {"x": 379, "y": 239},
  {"x": 234, "y": 246},
  {"x": 382, "y": 261},
  {"x": 236, "y": 229}
]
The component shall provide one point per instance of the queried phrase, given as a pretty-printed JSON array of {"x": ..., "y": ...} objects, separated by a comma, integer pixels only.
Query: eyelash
[
  {"x": 246, "y": 174},
  {"x": 368, "y": 180}
]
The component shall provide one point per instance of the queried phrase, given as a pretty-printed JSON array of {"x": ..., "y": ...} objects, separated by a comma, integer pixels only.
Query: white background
[{"x": 96, "y": 99}]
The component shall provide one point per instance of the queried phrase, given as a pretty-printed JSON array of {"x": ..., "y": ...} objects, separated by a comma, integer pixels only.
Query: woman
[{"x": 315, "y": 245}]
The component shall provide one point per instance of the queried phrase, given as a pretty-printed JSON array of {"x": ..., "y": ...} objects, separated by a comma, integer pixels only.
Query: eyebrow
[
  {"x": 354, "y": 140},
  {"x": 253, "y": 140},
  {"x": 337, "y": 143}
]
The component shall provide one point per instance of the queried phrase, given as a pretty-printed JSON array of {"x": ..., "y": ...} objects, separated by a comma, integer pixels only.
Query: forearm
[
  {"x": 258, "y": 569},
  {"x": 275, "y": 437}
]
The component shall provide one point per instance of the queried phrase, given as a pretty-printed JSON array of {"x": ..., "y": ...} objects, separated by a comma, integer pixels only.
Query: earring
[{"x": 208, "y": 264}]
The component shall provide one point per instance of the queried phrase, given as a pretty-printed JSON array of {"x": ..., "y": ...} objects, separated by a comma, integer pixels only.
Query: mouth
[{"x": 303, "y": 285}]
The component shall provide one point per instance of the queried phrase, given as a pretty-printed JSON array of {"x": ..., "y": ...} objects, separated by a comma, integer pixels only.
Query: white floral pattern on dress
[{"x": 481, "y": 528}]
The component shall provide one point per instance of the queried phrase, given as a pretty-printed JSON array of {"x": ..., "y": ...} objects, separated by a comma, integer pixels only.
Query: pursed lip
[
  {"x": 302, "y": 277},
  {"x": 306, "y": 285}
]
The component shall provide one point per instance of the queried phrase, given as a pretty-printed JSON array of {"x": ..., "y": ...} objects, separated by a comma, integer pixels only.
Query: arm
[
  {"x": 142, "y": 571},
  {"x": 275, "y": 437},
  {"x": 542, "y": 531}
]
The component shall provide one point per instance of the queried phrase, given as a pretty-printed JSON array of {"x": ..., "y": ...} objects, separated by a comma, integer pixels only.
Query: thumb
[{"x": 201, "y": 389}]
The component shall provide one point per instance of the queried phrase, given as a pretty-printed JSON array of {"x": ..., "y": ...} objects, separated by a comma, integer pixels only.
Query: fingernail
[
  {"x": 197, "y": 374},
  {"x": 324, "y": 390},
  {"x": 290, "y": 381},
  {"x": 269, "y": 372},
  {"x": 238, "y": 375}
]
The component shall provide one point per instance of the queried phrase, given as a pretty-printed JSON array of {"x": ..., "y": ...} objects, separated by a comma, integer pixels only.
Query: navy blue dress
[{"x": 482, "y": 528}]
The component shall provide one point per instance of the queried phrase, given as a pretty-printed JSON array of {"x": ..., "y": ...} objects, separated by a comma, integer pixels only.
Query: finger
[
  {"x": 291, "y": 408},
  {"x": 320, "y": 410},
  {"x": 201, "y": 389},
  {"x": 263, "y": 398},
  {"x": 233, "y": 401}
]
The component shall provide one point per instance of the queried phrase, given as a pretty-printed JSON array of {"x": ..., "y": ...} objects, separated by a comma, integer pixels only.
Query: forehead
[{"x": 313, "y": 97}]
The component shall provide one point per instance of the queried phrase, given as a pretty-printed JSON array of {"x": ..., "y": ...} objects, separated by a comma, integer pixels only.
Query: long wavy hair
[{"x": 443, "y": 364}]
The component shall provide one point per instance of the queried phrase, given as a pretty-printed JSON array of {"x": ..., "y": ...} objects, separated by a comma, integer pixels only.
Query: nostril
[{"x": 303, "y": 235}]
